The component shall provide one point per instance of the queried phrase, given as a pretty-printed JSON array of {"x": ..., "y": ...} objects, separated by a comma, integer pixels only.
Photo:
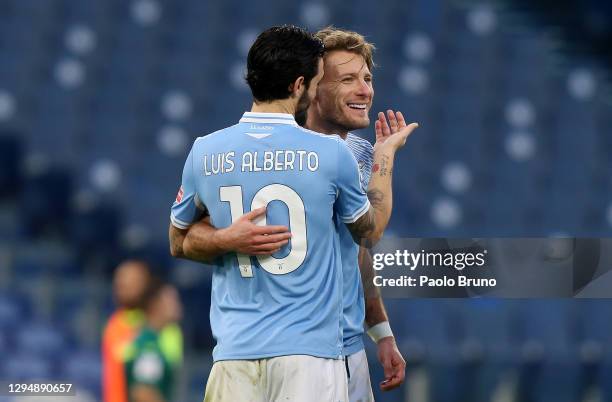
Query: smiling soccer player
[
  {"x": 278, "y": 320},
  {"x": 342, "y": 104}
]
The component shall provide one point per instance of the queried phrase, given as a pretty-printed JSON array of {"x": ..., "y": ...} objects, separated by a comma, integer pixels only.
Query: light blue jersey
[
  {"x": 290, "y": 303},
  {"x": 354, "y": 303}
]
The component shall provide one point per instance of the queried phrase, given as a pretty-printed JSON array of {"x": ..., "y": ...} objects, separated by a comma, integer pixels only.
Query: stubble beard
[
  {"x": 345, "y": 123},
  {"x": 301, "y": 110}
]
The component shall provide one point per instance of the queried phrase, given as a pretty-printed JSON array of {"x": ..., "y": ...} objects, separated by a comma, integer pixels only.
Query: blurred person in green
[
  {"x": 130, "y": 281},
  {"x": 150, "y": 367}
]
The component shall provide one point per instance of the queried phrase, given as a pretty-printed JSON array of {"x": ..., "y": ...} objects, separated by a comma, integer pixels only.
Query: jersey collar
[{"x": 268, "y": 118}]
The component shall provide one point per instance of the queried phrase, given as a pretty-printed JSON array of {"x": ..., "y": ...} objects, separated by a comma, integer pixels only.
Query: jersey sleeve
[
  {"x": 187, "y": 208},
  {"x": 352, "y": 201},
  {"x": 368, "y": 163}
]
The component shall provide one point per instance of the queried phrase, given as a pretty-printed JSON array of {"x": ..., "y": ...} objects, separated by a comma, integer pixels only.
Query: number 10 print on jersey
[
  {"x": 289, "y": 303},
  {"x": 297, "y": 222}
]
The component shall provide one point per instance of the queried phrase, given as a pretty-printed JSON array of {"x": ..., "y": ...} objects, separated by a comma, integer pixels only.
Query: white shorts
[
  {"x": 294, "y": 378},
  {"x": 359, "y": 386}
]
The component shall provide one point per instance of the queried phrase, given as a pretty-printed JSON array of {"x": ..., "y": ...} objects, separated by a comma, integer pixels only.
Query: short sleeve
[
  {"x": 187, "y": 208},
  {"x": 352, "y": 201},
  {"x": 368, "y": 162}
]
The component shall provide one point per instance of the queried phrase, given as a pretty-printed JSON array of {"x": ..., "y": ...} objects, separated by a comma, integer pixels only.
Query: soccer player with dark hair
[
  {"x": 278, "y": 318},
  {"x": 342, "y": 104}
]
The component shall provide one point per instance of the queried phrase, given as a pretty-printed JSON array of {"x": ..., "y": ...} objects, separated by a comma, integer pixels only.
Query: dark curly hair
[{"x": 278, "y": 57}]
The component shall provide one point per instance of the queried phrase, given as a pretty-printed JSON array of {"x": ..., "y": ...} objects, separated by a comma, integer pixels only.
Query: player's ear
[{"x": 297, "y": 87}]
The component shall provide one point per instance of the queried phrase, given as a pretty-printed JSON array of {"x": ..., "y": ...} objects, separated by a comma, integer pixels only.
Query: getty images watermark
[
  {"x": 436, "y": 263},
  {"x": 493, "y": 267}
]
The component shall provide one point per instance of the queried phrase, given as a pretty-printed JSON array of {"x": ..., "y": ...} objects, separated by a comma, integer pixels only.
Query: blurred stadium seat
[
  {"x": 85, "y": 368},
  {"x": 42, "y": 340},
  {"x": 21, "y": 367},
  {"x": 47, "y": 191},
  {"x": 11, "y": 160}
]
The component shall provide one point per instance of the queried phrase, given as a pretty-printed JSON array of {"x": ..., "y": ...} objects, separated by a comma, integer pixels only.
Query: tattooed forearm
[
  {"x": 385, "y": 168},
  {"x": 369, "y": 229},
  {"x": 363, "y": 227},
  {"x": 376, "y": 197}
]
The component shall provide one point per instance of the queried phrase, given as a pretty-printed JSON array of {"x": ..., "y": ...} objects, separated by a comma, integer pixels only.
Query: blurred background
[{"x": 100, "y": 101}]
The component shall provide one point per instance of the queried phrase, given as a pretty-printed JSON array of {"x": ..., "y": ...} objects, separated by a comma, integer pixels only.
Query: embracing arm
[
  {"x": 203, "y": 242},
  {"x": 198, "y": 243},
  {"x": 177, "y": 238}
]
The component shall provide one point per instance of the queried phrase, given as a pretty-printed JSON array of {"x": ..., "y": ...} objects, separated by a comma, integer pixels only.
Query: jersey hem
[
  {"x": 264, "y": 355},
  {"x": 356, "y": 346}
]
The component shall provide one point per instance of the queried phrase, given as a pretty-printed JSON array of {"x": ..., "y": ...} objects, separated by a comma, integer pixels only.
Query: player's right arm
[
  {"x": 369, "y": 227},
  {"x": 192, "y": 236},
  {"x": 203, "y": 242}
]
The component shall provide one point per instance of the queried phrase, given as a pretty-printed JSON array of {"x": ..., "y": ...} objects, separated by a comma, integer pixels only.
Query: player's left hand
[
  {"x": 395, "y": 123},
  {"x": 393, "y": 132},
  {"x": 393, "y": 364}
]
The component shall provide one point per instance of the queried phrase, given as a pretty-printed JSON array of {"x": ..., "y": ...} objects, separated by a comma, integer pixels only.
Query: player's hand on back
[
  {"x": 393, "y": 363},
  {"x": 245, "y": 237},
  {"x": 394, "y": 132}
]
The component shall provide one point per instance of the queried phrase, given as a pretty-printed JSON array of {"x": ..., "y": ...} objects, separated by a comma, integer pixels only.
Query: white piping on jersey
[
  {"x": 334, "y": 137},
  {"x": 353, "y": 218},
  {"x": 265, "y": 115},
  {"x": 358, "y": 139},
  {"x": 178, "y": 223},
  {"x": 213, "y": 133},
  {"x": 268, "y": 118},
  {"x": 364, "y": 153},
  {"x": 269, "y": 121}
]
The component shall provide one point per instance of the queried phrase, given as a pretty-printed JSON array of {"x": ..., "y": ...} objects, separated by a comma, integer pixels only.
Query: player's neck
[
  {"x": 278, "y": 106},
  {"x": 320, "y": 126}
]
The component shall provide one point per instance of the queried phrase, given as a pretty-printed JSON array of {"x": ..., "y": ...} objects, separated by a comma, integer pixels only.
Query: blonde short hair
[{"x": 341, "y": 39}]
